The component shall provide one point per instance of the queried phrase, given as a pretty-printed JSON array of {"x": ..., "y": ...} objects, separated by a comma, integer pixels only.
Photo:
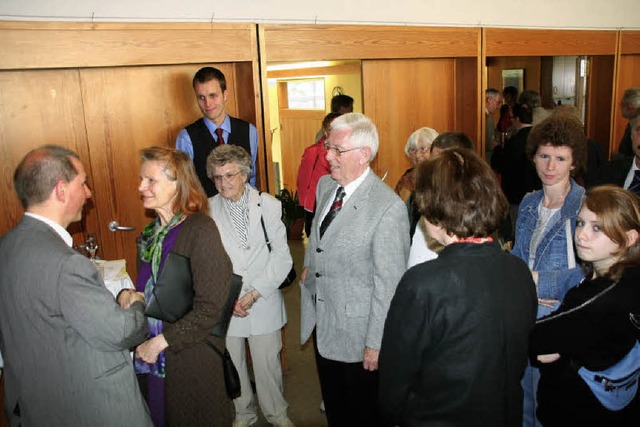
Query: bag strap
[
  {"x": 216, "y": 349},
  {"x": 264, "y": 229},
  {"x": 581, "y": 306},
  {"x": 571, "y": 258}
]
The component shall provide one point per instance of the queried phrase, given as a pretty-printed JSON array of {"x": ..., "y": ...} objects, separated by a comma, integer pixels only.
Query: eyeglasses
[
  {"x": 337, "y": 151},
  {"x": 227, "y": 177}
]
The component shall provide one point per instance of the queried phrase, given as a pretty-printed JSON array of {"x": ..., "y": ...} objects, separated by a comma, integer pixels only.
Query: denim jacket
[{"x": 551, "y": 263}]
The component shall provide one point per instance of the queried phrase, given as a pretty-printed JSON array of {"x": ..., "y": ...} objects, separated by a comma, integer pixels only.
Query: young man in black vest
[{"x": 216, "y": 127}]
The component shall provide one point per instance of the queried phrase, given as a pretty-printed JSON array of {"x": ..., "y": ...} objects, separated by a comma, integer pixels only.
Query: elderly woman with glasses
[
  {"x": 180, "y": 375},
  {"x": 417, "y": 149},
  {"x": 256, "y": 241}
]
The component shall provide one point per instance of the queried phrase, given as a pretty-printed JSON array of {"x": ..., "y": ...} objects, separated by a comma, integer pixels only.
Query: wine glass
[{"x": 91, "y": 245}]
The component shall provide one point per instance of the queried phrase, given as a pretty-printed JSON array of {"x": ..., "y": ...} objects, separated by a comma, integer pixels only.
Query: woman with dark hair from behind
[
  {"x": 456, "y": 336},
  {"x": 593, "y": 332}
]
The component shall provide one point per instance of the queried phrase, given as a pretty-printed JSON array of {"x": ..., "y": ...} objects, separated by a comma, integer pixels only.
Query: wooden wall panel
[
  {"x": 37, "y": 108},
  {"x": 530, "y": 64},
  {"x": 599, "y": 90},
  {"x": 334, "y": 42},
  {"x": 67, "y": 45},
  {"x": 628, "y": 76},
  {"x": 401, "y": 96},
  {"x": 466, "y": 97},
  {"x": 525, "y": 42},
  {"x": 630, "y": 42}
]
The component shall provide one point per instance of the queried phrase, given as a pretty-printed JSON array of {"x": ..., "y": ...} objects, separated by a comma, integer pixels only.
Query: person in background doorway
[
  {"x": 534, "y": 101},
  {"x": 492, "y": 101},
  {"x": 510, "y": 97},
  {"x": 313, "y": 166},
  {"x": 340, "y": 104},
  {"x": 216, "y": 127},
  {"x": 630, "y": 108}
]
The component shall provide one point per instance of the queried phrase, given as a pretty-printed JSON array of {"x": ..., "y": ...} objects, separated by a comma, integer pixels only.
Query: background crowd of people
[{"x": 480, "y": 292}]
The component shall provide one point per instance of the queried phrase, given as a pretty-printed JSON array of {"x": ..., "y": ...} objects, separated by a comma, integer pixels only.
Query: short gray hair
[
  {"x": 227, "y": 153},
  {"x": 39, "y": 172},
  {"x": 492, "y": 92},
  {"x": 423, "y": 135},
  {"x": 363, "y": 131},
  {"x": 531, "y": 98}
]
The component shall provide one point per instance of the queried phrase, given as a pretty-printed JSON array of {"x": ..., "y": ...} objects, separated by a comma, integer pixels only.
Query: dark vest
[{"x": 203, "y": 143}]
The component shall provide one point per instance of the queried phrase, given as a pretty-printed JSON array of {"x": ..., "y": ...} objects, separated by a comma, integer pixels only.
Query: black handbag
[
  {"x": 231, "y": 377},
  {"x": 173, "y": 293},
  {"x": 291, "y": 277}
]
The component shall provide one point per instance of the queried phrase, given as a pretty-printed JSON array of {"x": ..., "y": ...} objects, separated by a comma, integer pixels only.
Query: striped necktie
[{"x": 333, "y": 211}]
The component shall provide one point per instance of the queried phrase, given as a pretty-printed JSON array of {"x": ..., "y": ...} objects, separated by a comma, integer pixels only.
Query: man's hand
[
  {"x": 371, "y": 359},
  {"x": 149, "y": 350},
  {"x": 126, "y": 297},
  {"x": 303, "y": 275}
]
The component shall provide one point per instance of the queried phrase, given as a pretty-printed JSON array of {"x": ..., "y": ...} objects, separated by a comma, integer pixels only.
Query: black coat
[
  {"x": 455, "y": 341},
  {"x": 596, "y": 336}
]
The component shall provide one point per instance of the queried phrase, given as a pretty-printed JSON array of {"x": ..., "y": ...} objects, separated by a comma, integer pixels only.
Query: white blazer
[{"x": 260, "y": 269}]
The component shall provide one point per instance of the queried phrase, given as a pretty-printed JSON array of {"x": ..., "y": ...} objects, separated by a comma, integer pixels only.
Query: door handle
[{"x": 114, "y": 226}]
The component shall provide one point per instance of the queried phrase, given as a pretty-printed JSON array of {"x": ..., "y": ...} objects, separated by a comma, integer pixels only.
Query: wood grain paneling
[
  {"x": 525, "y": 42},
  {"x": 335, "y": 42},
  {"x": 401, "y": 96},
  {"x": 628, "y": 76},
  {"x": 37, "y": 108},
  {"x": 530, "y": 65},
  {"x": 630, "y": 42},
  {"x": 67, "y": 45},
  {"x": 599, "y": 90},
  {"x": 466, "y": 101}
]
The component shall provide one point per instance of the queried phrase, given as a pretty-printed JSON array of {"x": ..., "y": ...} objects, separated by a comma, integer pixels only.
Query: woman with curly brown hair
[{"x": 546, "y": 222}]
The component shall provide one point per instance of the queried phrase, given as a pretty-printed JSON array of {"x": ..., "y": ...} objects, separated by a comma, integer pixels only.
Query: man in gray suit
[
  {"x": 357, "y": 253},
  {"x": 64, "y": 339}
]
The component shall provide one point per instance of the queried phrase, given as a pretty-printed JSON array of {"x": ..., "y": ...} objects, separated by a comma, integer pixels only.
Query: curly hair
[
  {"x": 458, "y": 191},
  {"x": 560, "y": 130}
]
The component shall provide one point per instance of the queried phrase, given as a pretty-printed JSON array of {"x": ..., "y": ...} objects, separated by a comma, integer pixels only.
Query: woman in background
[
  {"x": 181, "y": 376},
  {"x": 313, "y": 166},
  {"x": 417, "y": 149},
  {"x": 599, "y": 333},
  {"x": 546, "y": 222},
  {"x": 248, "y": 222}
]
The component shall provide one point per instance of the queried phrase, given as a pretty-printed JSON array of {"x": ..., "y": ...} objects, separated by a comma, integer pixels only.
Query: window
[{"x": 306, "y": 94}]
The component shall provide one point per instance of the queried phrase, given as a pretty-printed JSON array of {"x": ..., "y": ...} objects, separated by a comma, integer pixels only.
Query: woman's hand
[
  {"x": 548, "y": 358},
  {"x": 126, "y": 297},
  {"x": 149, "y": 350},
  {"x": 547, "y": 302},
  {"x": 242, "y": 305}
]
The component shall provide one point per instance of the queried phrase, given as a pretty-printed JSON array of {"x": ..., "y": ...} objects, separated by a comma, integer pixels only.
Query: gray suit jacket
[
  {"x": 354, "y": 269},
  {"x": 64, "y": 339}
]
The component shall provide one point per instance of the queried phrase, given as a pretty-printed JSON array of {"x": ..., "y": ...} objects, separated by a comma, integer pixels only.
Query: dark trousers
[{"x": 350, "y": 392}]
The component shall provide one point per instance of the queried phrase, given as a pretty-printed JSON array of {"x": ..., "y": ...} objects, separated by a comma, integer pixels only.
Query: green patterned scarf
[{"x": 151, "y": 242}]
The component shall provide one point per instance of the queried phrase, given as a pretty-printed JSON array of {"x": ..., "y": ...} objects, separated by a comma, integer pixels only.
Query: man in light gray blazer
[
  {"x": 64, "y": 339},
  {"x": 356, "y": 255}
]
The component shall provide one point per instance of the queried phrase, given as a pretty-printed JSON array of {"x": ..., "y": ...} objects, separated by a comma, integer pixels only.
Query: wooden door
[
  {"x": 403, "y": 95},
  {"x": 298, "y": 129},
  {"x": 36, "y": 108},
  {"x": 127, "y": 109}
]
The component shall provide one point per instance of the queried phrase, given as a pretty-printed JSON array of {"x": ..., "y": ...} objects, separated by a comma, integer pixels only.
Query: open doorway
[{"x": 299, "y": 98}]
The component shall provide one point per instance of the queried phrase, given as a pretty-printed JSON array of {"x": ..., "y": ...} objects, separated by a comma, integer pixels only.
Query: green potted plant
[{"x": 292, "y": 213}]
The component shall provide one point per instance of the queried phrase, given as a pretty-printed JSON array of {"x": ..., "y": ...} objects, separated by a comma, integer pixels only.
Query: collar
[
  {"x": 64, "y": 234},
  {"x": 226, "y": 125},
  {"x": 351, "y": 187},
  {"x": 634, "y": 166}
]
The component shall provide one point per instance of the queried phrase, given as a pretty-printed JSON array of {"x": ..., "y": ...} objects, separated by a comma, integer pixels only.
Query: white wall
[{"x": 599, "y": 14}]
